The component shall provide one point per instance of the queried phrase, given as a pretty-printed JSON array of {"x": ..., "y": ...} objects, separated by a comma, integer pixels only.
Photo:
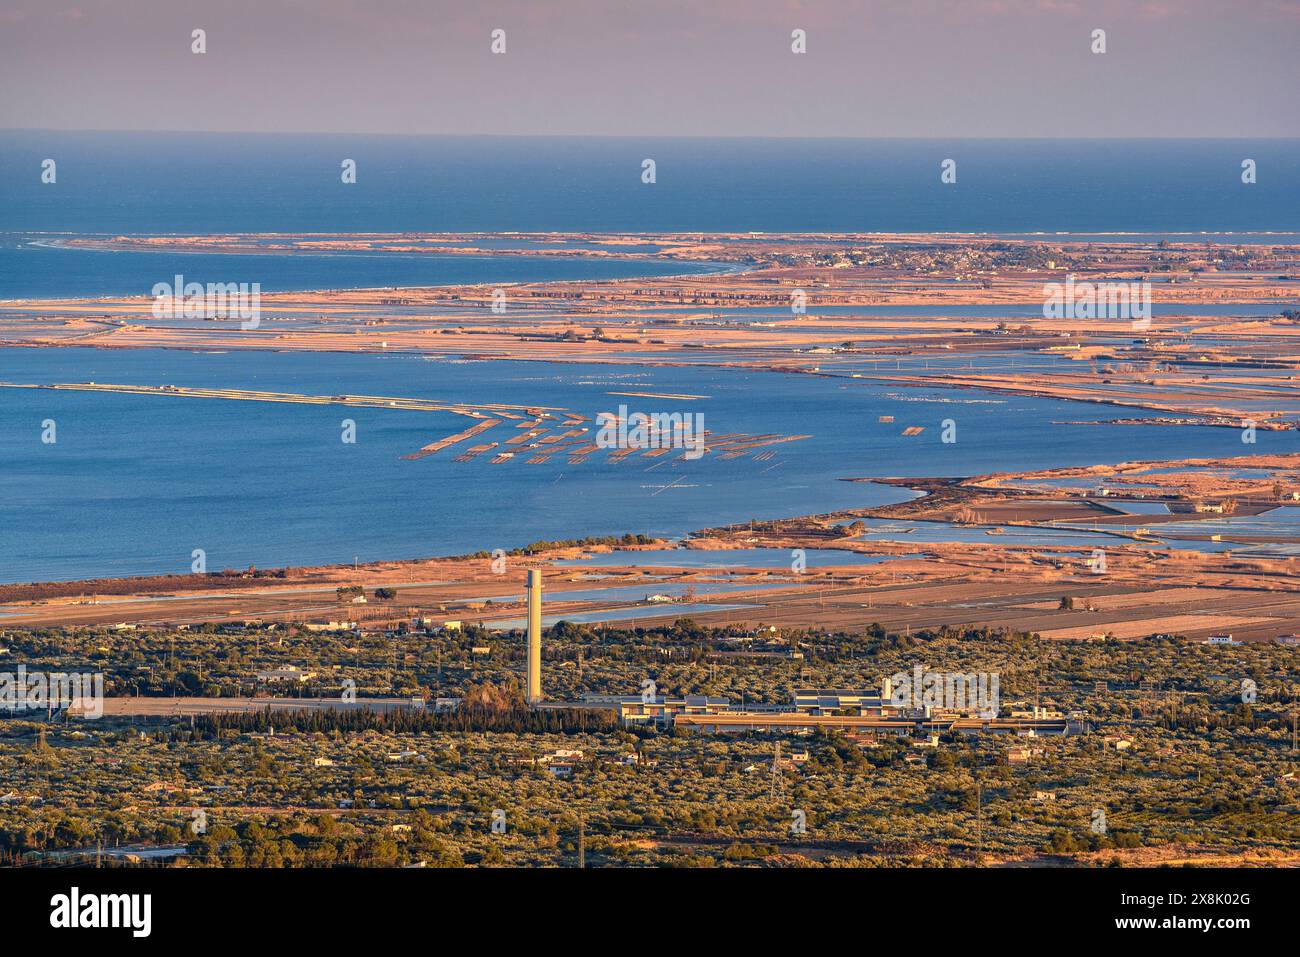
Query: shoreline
[
  {"x": 715, "y": 268},
  {"x": 987, "y": 499},
  {"x": 1213, "y": 370}
]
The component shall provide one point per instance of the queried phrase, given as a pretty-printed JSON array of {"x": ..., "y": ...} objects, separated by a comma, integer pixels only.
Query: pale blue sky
[{"x": 941, "y": 68}]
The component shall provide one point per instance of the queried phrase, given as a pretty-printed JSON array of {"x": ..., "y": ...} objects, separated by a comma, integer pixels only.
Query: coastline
[
  {"x": 707, "y": 321},
  {"x": 944, "y": 569}
]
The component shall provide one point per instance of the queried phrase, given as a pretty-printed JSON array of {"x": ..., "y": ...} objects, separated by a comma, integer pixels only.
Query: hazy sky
[{"x": 941, "y": 68}]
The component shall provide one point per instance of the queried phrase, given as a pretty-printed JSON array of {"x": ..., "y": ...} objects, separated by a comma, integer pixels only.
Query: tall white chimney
[{"x": 533, "y": 680}]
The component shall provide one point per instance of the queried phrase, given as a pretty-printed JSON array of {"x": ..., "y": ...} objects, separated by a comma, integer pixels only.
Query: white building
[{"x": 286, "y": 673}]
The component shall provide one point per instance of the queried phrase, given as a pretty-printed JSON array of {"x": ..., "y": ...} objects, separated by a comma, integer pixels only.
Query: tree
[
  {"x": 1067, "y": 603},
  {"x": 385, "y": 594}
]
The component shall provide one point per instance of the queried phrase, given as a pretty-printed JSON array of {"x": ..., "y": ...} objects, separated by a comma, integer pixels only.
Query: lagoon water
[
  {"x": 617, "y": 614},
  {"x": 774, "y": 558},
  {"x": 135, "y": 483}
]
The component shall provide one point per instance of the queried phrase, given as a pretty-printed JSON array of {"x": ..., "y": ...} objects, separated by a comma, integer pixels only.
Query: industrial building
[
  {"x": 855, "y": 712},
  {"x": 664, "y": 710},
  {"x": 901, "y": 725},
  {"x": 831, "y": 702}
]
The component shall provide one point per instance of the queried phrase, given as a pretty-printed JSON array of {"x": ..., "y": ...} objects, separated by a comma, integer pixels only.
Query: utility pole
[{"x": 979, "y": 820}]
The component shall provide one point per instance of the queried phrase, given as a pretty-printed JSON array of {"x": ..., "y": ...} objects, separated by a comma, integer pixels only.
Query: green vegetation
[{"x": 1205, "y": 772}]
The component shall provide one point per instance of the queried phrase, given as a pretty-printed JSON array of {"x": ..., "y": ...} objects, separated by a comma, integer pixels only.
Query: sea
[{"x": 135, "y": 484}]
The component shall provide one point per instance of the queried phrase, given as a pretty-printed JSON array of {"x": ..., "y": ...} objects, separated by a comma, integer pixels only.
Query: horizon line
[{"x": 640, "y": 136}]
